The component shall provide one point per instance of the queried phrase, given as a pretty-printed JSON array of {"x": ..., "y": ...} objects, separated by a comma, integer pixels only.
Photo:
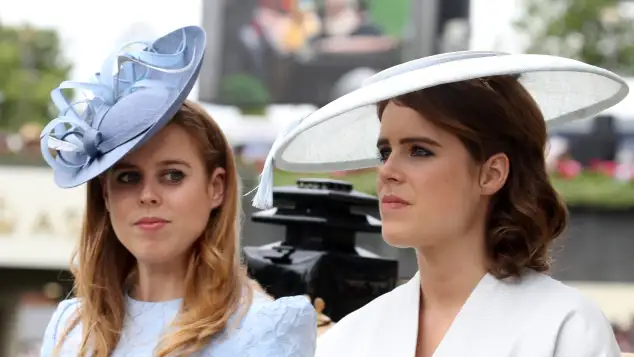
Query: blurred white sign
[{"x": 39, "y": 222}]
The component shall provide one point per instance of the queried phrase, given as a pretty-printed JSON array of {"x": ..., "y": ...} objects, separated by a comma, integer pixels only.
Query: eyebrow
[
  {"x": 125, "y": 165},
  {"x": 410, "y": 140}
]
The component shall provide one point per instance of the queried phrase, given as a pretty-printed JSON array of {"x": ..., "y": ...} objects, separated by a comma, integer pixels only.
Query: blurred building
[{"x": 39, "y": 224}]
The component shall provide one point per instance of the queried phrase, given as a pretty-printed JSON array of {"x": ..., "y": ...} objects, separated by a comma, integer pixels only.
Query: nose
[
  {"x": 149, "y": 195},
  {"x": 389, "y": 171}
]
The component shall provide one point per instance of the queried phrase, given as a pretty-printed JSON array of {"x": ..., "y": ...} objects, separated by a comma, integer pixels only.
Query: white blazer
[{"x": 535, "y": 316}]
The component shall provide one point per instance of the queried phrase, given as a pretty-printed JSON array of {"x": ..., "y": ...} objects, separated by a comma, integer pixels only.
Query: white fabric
[
  {"x": 342, "y": 135},
  {"x": 537, "y": 317}
]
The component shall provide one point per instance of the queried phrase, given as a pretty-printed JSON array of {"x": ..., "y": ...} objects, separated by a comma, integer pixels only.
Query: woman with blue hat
[
  {"x": 158, "y": 268},
  {"x": 458, "y": 140}
]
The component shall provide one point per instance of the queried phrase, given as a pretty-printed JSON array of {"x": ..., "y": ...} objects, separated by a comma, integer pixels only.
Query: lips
[
  {"x": 391, "y": 202},
  {"x": 151, "y": 223}
]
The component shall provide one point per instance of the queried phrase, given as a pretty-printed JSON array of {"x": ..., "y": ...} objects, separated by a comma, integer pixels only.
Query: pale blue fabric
[{"x": 282, "y": 328}]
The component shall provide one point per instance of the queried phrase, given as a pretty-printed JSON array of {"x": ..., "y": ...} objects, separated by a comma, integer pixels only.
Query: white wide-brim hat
[{"x": 342, "y": 135}]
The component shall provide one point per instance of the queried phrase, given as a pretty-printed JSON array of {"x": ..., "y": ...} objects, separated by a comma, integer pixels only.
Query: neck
[
  {"x": 449, "y": 273},
  {"x": 159, "y": 282}
]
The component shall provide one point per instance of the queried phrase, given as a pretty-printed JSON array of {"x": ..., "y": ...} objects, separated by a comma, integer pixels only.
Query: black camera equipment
[{"x": 318, "y": 256}]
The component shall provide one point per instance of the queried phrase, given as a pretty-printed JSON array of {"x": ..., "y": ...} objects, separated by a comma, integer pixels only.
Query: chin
[
  {"x": 154, "y": 255},
  {"x": 153, "y": 259},
  {"x": 397, "y": 236}
]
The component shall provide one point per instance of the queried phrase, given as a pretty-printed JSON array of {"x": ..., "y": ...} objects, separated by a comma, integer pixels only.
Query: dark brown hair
[{"x": 497, "y": 115}]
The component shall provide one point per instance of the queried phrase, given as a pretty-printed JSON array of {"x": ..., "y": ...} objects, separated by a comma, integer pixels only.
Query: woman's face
[
  {"x": 160, "y": 197},
  {"x": 429, "y": 186}
]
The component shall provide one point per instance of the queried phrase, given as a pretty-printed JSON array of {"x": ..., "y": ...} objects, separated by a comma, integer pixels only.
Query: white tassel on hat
[{"x": 263, "y": 198}]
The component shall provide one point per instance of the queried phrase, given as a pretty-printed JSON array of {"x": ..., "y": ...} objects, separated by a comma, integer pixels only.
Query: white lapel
[
  {"x": 396, "y": 326},
  {"x": 476, "y": 306},
  {"x": 395, "y": 330},
  {"x": 388, "y": 326},
  {"x": 484, "y": 325}
]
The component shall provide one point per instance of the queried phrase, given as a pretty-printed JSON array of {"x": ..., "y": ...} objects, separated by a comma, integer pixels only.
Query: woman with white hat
[
  {"x": 158, "y": 270},
  {"x": 459, "y": 142}
]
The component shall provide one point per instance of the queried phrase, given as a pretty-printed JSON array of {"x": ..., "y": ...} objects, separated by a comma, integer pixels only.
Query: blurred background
[{"x": 271, "y": 61}]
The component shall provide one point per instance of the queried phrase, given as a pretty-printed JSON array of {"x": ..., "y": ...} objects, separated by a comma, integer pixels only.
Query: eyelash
[
  {"x": 416, "y": 151},
  {"x": 120, "y": 177}
]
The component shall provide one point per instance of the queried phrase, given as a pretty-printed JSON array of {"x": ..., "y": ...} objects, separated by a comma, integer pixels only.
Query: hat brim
[
  {"x": 196, "y": 40},
  {"x": 342, "y": 134}
]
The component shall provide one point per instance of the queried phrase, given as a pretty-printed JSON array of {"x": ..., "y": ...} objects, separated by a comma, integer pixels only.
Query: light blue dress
[{"x": 282, "y": 328}]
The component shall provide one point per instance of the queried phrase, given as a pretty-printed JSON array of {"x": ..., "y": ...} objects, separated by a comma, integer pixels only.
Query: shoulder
[
  {"x": 555, "y": 295},
  {"x": 580, "y": 325},
  {"x": 354, "y": 329},
  {"x": 285, "y": 313},
  {"x": 541, "y": 293},
  {"x": 585, "y": 330},
  {"x": 284, "y": 327},
  {"x": 63, "y": 315}
]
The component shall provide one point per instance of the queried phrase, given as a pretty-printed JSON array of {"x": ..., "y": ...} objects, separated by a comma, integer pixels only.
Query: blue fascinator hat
[{"x": 137, "y": 92}]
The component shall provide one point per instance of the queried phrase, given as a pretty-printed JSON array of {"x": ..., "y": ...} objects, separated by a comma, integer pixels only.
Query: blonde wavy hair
[{"x": 216, "y": 284}]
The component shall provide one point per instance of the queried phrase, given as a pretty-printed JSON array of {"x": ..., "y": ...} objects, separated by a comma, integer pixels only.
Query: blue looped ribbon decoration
[{"x": 74, "y": 135}]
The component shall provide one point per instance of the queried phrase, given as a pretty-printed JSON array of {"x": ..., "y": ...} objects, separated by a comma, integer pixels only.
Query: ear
[
  {"x": 494, "y": 173},
  {"x": 217, "y": 187}
]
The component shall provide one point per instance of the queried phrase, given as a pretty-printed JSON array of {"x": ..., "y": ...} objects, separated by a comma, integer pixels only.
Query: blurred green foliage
[
  {"x": 588, "y": 30},
  {"x": 31, "y": 65},
  {"x": 392, "y": 16},
  {"x": 246, "y": 92}
]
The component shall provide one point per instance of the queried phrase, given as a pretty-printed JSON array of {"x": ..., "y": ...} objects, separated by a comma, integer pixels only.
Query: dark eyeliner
[
  {"x": 131, "y": 176},
  {"x": 420, "y": 151},
  {"x": 381, "y": 154}
]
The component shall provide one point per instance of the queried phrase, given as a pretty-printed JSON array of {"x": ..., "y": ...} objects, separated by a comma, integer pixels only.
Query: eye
[
  {"x": 173, "y": 176},
  {"x": 383, "y": 154},
  {"x": 420, "y": 151},
  {"x": 128, "y": 177}
]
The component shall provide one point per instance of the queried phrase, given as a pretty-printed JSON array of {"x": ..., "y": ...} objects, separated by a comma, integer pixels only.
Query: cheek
[
  {"x": 445, "y": 190},
  {"x": 191, "y": 207},
  {"x": 123, "y": 211},
  {"x": 441, "y": 191},
  {"x": 121, "y": 204}
]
